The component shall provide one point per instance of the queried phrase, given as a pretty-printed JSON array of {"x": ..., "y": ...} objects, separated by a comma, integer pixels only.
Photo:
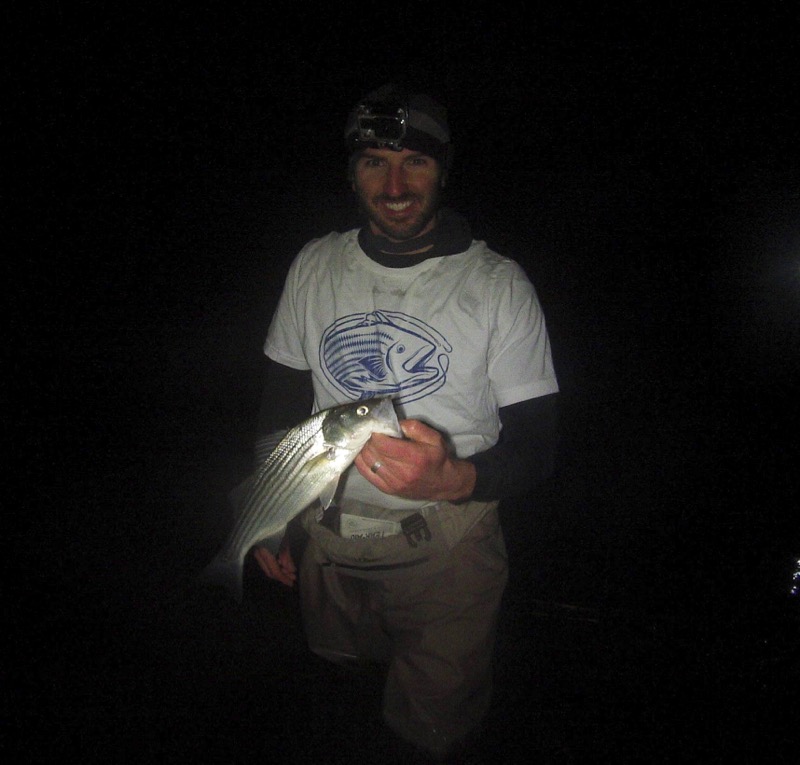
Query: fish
[
  {"x": 384, "y": 353},
  {"x": 304, "y": 465}
]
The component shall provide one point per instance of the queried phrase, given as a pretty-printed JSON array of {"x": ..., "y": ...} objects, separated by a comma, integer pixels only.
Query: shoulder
[
  {"x": 492, "y": 269},
  {"x": 321, "y": 254},
  {"x": 326, "y": 246}
]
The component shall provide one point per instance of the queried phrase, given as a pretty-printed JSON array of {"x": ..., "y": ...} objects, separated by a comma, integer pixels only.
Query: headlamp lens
[{"x": 382, "y": 124}]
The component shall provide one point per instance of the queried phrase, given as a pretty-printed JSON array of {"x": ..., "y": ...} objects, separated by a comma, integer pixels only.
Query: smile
[{"x": 398, "y": 206}]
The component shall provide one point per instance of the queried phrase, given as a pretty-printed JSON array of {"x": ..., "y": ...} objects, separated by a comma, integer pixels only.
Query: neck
[
  {"x": 451, "y": 234},
  {"x": 415, "y": 245}
]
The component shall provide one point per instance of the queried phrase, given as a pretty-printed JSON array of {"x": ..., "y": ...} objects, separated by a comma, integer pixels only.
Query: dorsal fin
[{"x": 265, "y": 445}]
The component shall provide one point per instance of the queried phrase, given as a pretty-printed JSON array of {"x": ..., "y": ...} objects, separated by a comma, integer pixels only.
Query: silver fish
[{"x": 305, "y": 465}]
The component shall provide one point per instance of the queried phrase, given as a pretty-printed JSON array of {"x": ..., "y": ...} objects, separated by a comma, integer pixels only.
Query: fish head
[
  {"x": 349, "y": 426},
  {"x": 409, "y": 355}
]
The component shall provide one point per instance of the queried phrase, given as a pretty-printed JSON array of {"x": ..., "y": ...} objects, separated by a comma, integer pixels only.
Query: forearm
[
  {"x": 525, "y": 454},
  {"x": 286, "y": 399}
]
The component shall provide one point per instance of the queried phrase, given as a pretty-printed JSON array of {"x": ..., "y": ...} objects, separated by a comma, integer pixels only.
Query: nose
[{"x": 395, "y": 185}]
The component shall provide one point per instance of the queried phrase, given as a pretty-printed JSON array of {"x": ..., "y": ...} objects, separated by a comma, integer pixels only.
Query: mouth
[
  {"x": 396, "y": 207},
  {"x": 399, "y": 206}
]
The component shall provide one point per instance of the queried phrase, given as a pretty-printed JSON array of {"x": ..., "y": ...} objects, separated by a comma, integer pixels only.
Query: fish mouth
[
  {"x": 417, "y": 364},
  {"x": 386, "y": 414}
]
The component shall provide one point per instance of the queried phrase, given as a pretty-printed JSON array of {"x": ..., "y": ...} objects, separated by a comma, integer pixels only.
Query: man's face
[{"x": 398, "y": 191}]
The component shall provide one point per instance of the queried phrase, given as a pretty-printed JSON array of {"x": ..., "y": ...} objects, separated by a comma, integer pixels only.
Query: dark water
[{"x": 648, "y": 616}]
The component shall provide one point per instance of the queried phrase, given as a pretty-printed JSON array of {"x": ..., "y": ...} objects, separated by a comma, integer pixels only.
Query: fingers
[
  {"x": 280, "y": 568},
  {"x": 408, "y": 467},
  {"x": 379, "y": 465},
  {"x": 376, "y": 471},
  {"x": 419, "y": 466},
  {"x": 422, "y": 445},
  {"x": 287, "y": 562},
  {"x": 419, "y": 432},
  {"x": 415, "y": 432}
]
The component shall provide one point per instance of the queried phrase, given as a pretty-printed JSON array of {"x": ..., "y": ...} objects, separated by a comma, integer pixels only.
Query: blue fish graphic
[{"x": 384, "y": 353}]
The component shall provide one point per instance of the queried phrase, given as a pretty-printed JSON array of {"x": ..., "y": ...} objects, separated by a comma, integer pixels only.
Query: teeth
[{"x": 398, "y": 206}]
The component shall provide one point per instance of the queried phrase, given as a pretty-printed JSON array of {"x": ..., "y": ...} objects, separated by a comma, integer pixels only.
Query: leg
[
  {"x": 339, "y": 613},
  {"x": 442, "y": 623}
]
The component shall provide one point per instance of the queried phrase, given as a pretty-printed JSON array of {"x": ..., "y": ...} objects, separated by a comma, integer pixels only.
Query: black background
[{"x": 167, "y": 164}]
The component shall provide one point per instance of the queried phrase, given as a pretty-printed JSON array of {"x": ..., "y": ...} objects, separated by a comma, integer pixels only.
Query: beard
[{"x": 405, "y": 229}]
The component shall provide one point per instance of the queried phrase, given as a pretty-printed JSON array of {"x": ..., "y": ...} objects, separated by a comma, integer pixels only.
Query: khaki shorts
[{"x": 427, "y": 609}]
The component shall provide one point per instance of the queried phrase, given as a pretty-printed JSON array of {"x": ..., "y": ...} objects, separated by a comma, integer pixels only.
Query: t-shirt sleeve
[
  {"x": 520, "y": 358},
  {"x": 284, "y": 342}
]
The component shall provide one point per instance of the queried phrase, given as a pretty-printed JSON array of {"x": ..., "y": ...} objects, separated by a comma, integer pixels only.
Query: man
[{"x": 410, "y": 566}]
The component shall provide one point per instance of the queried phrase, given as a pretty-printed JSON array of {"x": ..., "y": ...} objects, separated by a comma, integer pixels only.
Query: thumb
[{"x": 420, "y": 432}]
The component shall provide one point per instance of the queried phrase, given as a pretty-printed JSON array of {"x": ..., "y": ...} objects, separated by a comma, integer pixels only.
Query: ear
[{"x": 351, "y": 169}]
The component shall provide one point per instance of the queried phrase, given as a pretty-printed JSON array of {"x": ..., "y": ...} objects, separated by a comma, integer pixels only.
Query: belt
[{"x": 414, "y": 526}]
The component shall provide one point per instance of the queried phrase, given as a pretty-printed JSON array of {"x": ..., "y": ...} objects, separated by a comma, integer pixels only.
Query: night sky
[{"x": 641, "y": 164}]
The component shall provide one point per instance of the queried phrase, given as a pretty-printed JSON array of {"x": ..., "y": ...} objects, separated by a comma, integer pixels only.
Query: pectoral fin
[{"x": 328, "y": 493}]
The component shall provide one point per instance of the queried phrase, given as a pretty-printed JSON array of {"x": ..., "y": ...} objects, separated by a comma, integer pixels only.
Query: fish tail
[{"x": 224, "y": 572}]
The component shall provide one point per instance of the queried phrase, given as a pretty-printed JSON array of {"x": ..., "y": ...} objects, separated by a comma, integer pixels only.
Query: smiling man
[
  {"x": 398, "y": 191},
  {"x": 408, "y": 567}
]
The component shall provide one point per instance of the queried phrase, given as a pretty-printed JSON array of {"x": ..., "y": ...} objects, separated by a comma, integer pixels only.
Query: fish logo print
[{"x": 384, "y": 353}]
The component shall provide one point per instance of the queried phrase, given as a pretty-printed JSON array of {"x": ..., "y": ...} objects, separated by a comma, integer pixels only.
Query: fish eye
[
  {"x": 362, "y": 410},
  {"x": 401, "y": 349}
]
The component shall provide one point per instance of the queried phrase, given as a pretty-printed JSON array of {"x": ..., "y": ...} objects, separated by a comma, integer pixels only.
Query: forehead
[{"x": 391, "y": 154}]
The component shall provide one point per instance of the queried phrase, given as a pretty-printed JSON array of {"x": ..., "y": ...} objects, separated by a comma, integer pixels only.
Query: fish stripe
[
  {"x": 301, "y": 467},
  {"x": 276, "y": 482}
]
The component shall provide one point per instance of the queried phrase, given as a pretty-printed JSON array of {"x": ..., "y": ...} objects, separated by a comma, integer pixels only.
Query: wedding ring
[{"x": 377, "y": 466}]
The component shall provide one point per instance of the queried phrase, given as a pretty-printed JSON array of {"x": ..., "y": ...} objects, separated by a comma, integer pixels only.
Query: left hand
[
  {"x": 280, "y": 567},
  {"x": 418, "y": 467}
]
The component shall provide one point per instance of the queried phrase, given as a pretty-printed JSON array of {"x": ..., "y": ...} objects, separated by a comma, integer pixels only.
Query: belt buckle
[{"x": 415, "y": 527}]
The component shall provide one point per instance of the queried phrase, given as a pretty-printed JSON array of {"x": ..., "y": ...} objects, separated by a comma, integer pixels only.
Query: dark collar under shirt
[{"x": 451, "y": 234}]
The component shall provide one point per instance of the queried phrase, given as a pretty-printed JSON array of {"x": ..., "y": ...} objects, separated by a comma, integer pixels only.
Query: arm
[
  {"x": 526, "y": 452},
  {"x": 286, "y": 398}
]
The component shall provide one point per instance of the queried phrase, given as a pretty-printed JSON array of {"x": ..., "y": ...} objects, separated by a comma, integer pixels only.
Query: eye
[
  {"x": 362, "y": 410},
  {"x": 401, "y": 349},
  {"x": 419, "y": 161}
]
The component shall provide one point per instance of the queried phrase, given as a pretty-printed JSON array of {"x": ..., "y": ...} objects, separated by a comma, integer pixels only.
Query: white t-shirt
[{"x": 452, "y": 339}]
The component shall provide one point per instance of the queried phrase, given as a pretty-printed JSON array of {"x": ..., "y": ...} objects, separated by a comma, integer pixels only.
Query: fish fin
[
  {"x": 377, "y": 317},
  {"x": 328, "y": 493},
  {"x": 265, "y": 445},
  {"x": 273, "y": 543},
  {"x": 329, "y": 490},
  {"x": 374, "y": 317},
  {"x": 375, "y": 366},
  {"x": 222, "y": 572}
]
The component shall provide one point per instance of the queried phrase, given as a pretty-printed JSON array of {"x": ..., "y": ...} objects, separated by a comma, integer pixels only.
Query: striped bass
[{"x": 304, "y": 465}]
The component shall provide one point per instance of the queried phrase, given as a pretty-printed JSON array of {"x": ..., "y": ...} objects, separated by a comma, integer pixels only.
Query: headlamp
[
  {"x": 382, "y": 125},
  {"x": 391, "y": 118}
]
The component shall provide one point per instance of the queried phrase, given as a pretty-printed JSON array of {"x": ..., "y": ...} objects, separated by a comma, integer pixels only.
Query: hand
[
  {"x": 417, "y": 467},
  {"x": 280, "y": 567}
]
